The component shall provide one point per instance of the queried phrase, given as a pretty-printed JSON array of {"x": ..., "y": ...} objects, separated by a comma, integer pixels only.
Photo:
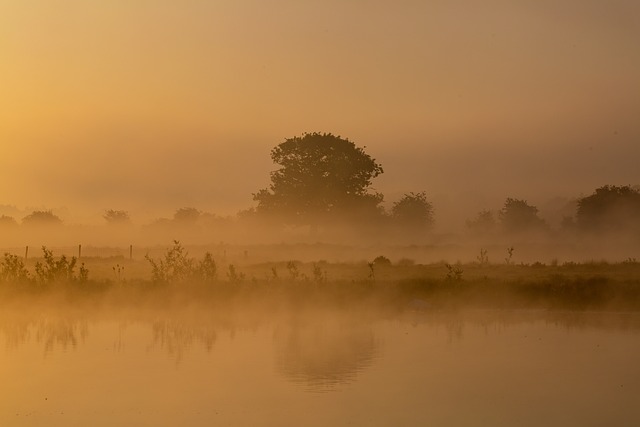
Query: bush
[
  {"x": 59, "y": 270},
  {"x": 178, "y": 267},
  {"x": 12, "y": 269}
]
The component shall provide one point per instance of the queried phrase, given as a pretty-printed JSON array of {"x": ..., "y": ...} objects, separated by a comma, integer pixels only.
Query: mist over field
[{"x": 319, "y": 213}]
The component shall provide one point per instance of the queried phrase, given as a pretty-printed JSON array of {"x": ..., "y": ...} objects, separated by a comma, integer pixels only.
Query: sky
[{"x": 152, "y": 105}]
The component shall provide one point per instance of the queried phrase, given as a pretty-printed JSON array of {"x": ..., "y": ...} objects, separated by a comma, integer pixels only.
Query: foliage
[
  {"x": 294, "y": 273},
  {"x": 484, "y": 222},
  {"x": 609, "y": 207},
  {"x": 413, "y": 211},
  {"x": 381, "y": 260},
  {"x": 319, "y": 274},
  {"x": 233, "y": 274},
  {"x": 53, "y": 270},
  {"x": 206, "y": 269},
  {"x": 508, "y": 259},
  {"x": 178, "y": 267},
  {"x": 483, "y": 258},
  {"x": 13, "y": 270},
  {"x": 116, "y": 217},
  {"x": 41, "y": 218},
  {"x": 518, "y": 215},
  {"x": 321, "y": 176},
  {"x": 454, "y": 273},
  {"x": 7, "y": 221},
  {"x": 187, "y": 215}
]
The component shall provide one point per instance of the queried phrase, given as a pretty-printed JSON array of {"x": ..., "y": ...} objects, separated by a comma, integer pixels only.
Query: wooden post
[
  {"x": 79, "y": 251},
  {"x": 26, "y": 252},
  {"x": 130, "y": 252}
]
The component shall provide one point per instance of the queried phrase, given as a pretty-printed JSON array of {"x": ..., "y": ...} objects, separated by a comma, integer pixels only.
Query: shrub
[
  {"x": 12, "y": 269},
  {"x": 53, "y": 270},
  {"x": 178, "y": 267}
]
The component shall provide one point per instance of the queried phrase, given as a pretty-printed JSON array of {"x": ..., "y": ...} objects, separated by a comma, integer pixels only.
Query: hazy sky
[{"x": 150, "y": 105}]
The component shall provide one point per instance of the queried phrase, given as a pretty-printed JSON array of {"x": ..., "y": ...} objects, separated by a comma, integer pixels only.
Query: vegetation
[
  {"x": 177, "y": 267},
  {"x": 610, "y": 208},
  {"x": 518, "y": 215},
  {"x": 43, "y": 218},
  {"x": 413, "y": 211},
  {"x": 483, "y": 223},
  {"x": 7, "y": 221},
  {"x": 187, "y": 215},
  {"x": 116, "y": 217},
  {"x": 322, "y": 177},
  {"x": 439, "y": 285}
]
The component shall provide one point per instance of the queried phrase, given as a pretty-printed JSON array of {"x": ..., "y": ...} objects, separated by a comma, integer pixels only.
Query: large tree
[
  {"x": 321, "y": 177},
  {"x": 609, "y": 208}
]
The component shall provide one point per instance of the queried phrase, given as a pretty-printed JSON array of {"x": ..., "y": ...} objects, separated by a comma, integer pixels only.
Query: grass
[{"x": 177, "y": 275}]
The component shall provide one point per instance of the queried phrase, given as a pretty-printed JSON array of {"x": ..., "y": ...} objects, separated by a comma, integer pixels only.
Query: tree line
[{"x": 323, "y": 179}]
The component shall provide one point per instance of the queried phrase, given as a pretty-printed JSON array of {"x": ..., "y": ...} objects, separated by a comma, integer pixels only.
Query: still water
[{"x": 318, "y": 367}]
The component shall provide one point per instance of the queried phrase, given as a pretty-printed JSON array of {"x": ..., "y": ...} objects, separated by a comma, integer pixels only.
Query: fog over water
[{"x": 319, "y": 213}]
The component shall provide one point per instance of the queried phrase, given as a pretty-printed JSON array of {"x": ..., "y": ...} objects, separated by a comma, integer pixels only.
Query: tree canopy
[
  {"x": 518, "y": 215},
  {"x": 321, "y": 176},
  {"x": 43, "y": 218},
  {"x": 609, "y": 207},
  {"x": 413, "y": 210},
  {"x": 116, "y": 217}
]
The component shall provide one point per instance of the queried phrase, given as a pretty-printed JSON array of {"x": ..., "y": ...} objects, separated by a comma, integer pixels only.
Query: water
[{"x": 318, "y": 367}]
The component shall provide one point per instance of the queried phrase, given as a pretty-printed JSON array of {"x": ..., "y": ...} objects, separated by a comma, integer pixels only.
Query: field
[{"x": 226, "y": 273}]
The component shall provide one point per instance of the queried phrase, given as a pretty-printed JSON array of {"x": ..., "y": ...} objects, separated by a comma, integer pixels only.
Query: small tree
[
  {"x": 45, "y": 218},
  {"x": 518, "y": 215},
  {"x": 116, "y": 217},
  {"x": 13, "y": 270},
  {"x": 7, "y": 221},
  {"x": 61, "y": 270},
  {"x": 484, "y": 222},
  {"x": 178, "y": 267},
  {"x": 413, "y": 211},
  {"x": 187, "y": 215}
]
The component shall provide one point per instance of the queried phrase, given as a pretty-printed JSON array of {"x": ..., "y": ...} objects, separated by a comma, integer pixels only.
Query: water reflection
[
  {"x": 324, "y": 351},
  {"x": 241, "y": 367},
  {"x": 50, "y": 333},
  {"x": 176, "y": 337}
]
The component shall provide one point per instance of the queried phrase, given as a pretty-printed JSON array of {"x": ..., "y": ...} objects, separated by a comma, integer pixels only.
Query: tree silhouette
[
  {"x": 45, "y": 218},
  {"x": 322, "y": 176},
  {"x": 116, "y": 217},
  {"x": 609, "y": 207},
  {"x": 484, "y": 222},
  {"x": 518, "y": 215},
  {"x": 413, "y": 211},
  {"x": 187, "y": 215},
  {"x": 7, "y": 221}
]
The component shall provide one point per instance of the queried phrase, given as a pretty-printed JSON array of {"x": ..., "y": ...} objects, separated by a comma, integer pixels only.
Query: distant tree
[
  {"x": 321, "y": 176},
  {"x": 414, "y": 211},
  {"x": 116, "y": 217},
  {"x": 7, "y": 221},
  {"x": 609, "y": 207},
  {"x": 518, "y": 215},
  {"x": 46, "y": 218},
  {"x": 187, "y": 215},
  {"x": 484, "y": 222}
]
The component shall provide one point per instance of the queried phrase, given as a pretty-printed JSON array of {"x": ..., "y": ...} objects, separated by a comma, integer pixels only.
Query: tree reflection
[{"x": 325, "y": 351}]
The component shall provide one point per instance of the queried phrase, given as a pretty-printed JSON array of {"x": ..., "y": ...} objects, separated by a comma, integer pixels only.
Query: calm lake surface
[{"x": 318, "y": 367}]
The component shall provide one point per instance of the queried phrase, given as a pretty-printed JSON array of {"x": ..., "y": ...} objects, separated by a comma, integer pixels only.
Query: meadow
[{"x": 271, "y": 275}]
